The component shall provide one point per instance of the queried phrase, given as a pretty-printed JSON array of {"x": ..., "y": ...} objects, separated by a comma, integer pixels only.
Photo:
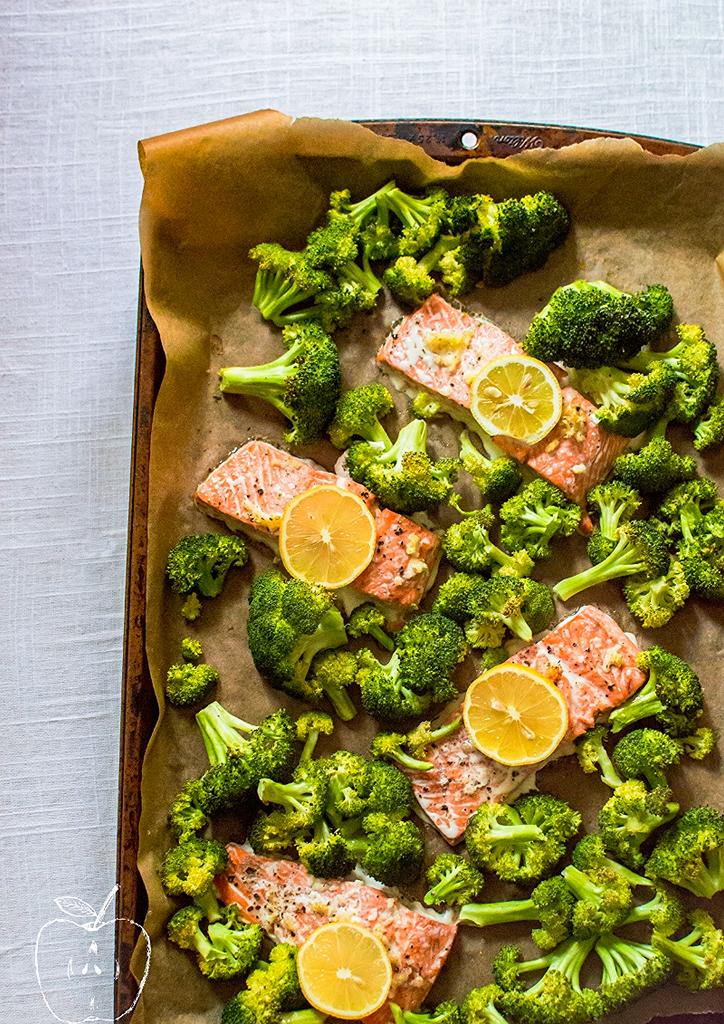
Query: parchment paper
[{"x": 210, "y": 194}]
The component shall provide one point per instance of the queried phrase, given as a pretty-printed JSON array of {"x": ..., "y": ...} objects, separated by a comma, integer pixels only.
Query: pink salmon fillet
[
  {"x": 442, "y": 349},
  {"x": 250, "y": 490},
  {"x": 592, "y": 662},
  {"x": 290, "y": 904}
]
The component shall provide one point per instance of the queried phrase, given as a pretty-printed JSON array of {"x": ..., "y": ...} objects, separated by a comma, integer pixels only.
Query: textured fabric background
[{"x": 80, "y": 82}]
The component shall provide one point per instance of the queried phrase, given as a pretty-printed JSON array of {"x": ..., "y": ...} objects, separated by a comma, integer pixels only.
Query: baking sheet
[{"x": 212, "y": 192}]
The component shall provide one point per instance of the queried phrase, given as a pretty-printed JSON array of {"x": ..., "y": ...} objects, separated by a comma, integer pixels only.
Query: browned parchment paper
[{"x": 210, "y": 194}]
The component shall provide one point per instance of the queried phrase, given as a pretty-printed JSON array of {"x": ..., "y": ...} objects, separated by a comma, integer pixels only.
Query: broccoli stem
[
  {"x": 267, "y": 381},
  {"x": 412, "y": 438},
  {"x": 511, "y": 835},
  {"x": 308, "y": 1016},
  {"x": 644, "y": 704},
  {"x": 483, "y": 914},
  {"x": 340, "y": 700},
  {"x": 220, "y": 731},
  {"x": 624, "y": 560},
  {"x": 273, "y": 293}
]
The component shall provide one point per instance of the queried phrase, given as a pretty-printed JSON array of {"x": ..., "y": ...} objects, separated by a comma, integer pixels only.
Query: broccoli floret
[
  {"x": 189, "y": 869},
  {"x": 354, "y": 289},
  {"x": 646, "y": 753},
  {"x": 191, "y": 650},
  {"x": 603, "y": 898},
  {"x": 350, "y": 786},
  {"x": 468, "y": 547},
  {"x": 709, "y": 430},
  {"x": 454, "y": 880},
  {"x": 685, "y": 505},
  {"x": 390, "y": 850},
  {"x": 522, "y": 841},
  {"x": 664, "y": 910},
  {"x": 186, "y": 815},
  {"x": 489, "y": 608},
  {"x": 654, "y": 601},
  {"x": 391, "y": 746},
  {"x": 272, "y": 994},
  {"x": 334, "y": 245},
  {"x": 422, "y": 219},
  {"x": 629, "y": 817},
  {"x": 284, "y": 281},
  {"x": 558, "y": 996},
  {"x": 654, "y": 468},
  {"x": 369, "y": 620},
  {"x": 693, "y": 361},
  {"x": 230, "y": 947},
  {"x": 593, "y": 756},
  {"x": 629, "y": 970},
  {"x": 551, "y": 903},
  {"x": 691, "y": 852},
  {"x": 496, "y": 478},
  {"x": 332, "y": 673},
  {"x": 304, "y": 384},
  {"x": 627, "y": 403},
  {"x": 616, "y": 503},
  {"x": 410, "y": 280},
  {"x": 525, "y": 231},
  {"x": 383, "y": 692},
  {"x": 325, "y": 853},
  {"x": 371, "y": 216},
  {"x": 589, "y": 324},
  {"x": 187, "y": 685},
  {"x": 535, "y": 517},
  {"x": 289, "y": 622},
  {"x": 198, "y": 565},
  {"x": 589, "y": 855},
  {"x": 481, "y": 1006},
  {"x": 303, "y": 799},
  {"x": 358, "y": 414},
  {"x": 403, "y": 477},
  {"x": 640, "y": 549},
  {"x": 273, "y": 834},
  {"x": 700, "y": 953},
  {"x": 390, "y": 791},
  {"x": 672, "y": 694},
  {"x": 420, "y": 738},
  {"x": 426, "y": 406},
  {"x": 699, "y": 744},
  {"x": 444, "y": 1013},
  {"x": 310, "y": 726}
]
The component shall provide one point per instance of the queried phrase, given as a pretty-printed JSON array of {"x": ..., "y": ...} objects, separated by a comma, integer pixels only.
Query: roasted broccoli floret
[
  {"x": 198, "y": 564},
  {"x": 272, "y": 994},
  {"x": 332, "y": 673},
  {"x": 700, "y": 954},
  {"x": 303, "y": 799},
  {"x": 481, "y": 1006},
  {"x": 310, "y": 726},
  {"x": 654, "y": 468},
  {"x": 627, "y": 403},
  {"x": 551, "y": 903},
  {"x": 640, "y": 549},
  {"x": 685, "y": 506},
  {"x": 664, "y": 910},
  {"x": 496, "y": 478},
  {"x": 646, "y": 753},
  {"x": 273, "y": 834},
  {"x": 289, "y": 622},
  {"x": 539, "y": 514},
  {"x": 629, "y": 817},
  {"x": 603, "y": 898},
  {"x": 285, "y": 280},
  {"x": 325, "y": 853},
  {"x": 629, "y": 970},
  {"x": 390, "y": 850},
  {"x": 616, "y": 503},
  {"x": 558, "y": 997},
  {"x": 709, "y": 430},
  {"x": 593, "y": 756},
  {"x": 522, "y": 841},
  {"x": 489, "y": 608},
  {"x": 228, "y": 949},
  {"x": 672, "y": 695},
  {"x": 589, "y": 855},
  {"x": 187, "y": 685},
  {"x": 391, "y": 747},
  {"x": 589, "y": 324},
  {"x": 369, "y": 620},
  {"x": 189, "y": 869},
  {"x": 186, "y": 815},
  {"x": 453, "y": 879},
  {"x": 422, "y": 218},
  {"x": 525, "y": 233},
  {"x": 410, "y": 279},
  {"x": 468, "y": 547},
  {"x": 191, "y": 650},
  {"x": 358, "y": 414},
  {"x": 444, "y": 1013},
  {"x": 419, "y": 739},
  {"x": 691, "y": 852},
  {"x": 654, "y": 601},
  {"x": 304, "y": 384}
]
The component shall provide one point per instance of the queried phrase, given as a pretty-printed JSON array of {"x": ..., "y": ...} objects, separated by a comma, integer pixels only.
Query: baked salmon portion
[
  {"x": 289, "y": 904},
  {"x": 441, "y": 349},
  {"x": 250, "y": 490},
  {"x": 592, "y": 662}
]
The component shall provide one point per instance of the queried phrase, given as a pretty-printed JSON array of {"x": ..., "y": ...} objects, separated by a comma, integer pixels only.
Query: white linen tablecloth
[{"x": 80, "y": 83}]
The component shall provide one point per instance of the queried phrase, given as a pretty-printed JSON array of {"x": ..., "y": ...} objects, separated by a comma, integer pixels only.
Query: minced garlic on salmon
[
  {"x": 593, "y": 663},
  {"x": 290, "y": 904}
]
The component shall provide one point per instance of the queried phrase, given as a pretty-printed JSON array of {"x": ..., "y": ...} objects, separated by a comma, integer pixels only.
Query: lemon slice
[
  {"x": 517, "y": 396},
  {"x": 514, "y": 714},
  {"x": 344, "y": 970},
  {"x": 327, "y": 536}
]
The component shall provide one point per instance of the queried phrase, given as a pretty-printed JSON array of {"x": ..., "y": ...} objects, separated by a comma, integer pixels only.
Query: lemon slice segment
[
  {"x": 515, "y": 715},
  {"x": 327, "y": 536},
  {"x": 344, "y": 970},
  {"x": 517, "y": 396}
]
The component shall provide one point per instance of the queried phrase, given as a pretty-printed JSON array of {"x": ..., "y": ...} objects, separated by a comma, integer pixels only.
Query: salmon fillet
[
  {"x": 592, "y": 662},
  {"x": 289, "y": 904},
  {"x": 250, "y": 490},
  {"x": 441, "y": 349}
]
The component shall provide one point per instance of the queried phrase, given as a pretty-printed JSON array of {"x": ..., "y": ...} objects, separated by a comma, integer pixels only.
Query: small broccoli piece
[
  {"x": 672, "y": 694},
  {"x": 284, "y": 281},
  {"x": 558, "y": 996},
  {"x": 199, "y": 563},
  {"x": 334, "y": 245},
  {"x": 654, "y": 468},
  {"x": 640, "y": 549},
  {"x": 691, "y": 852},
  {"x": 325, "y": 853},
  {"x": 422, "y": 219},
  {"x": 369, "y": 620},
  {"x": 383, "y": 691},
  {"x": 627, "y": 403},
  {"x": 684, "y": 507},
  {"x": 496, "y": 478},
  {"x": 539, "y": 514},
  {"x": 332, "y": 673},
  {"x": 700, "y": 744},
  {"x": 616, "y": 503},
  {"x": 274, "y": 834},
  {"x": 551, "y": 903},
  {"x": 186, "y": 815},
  {"x": 603, "y": 895},
  {"x": 358, "y": 414},
  {"x": 593, "y": 756},
  {"x": 228, "y": 950},
  {"x": 390, "y": 746},
  {"x": 489, "y": 608},
  {"x": 187, "y": 685},
  {"x": 304, "y": 384},
  {"x": 410, "y": 279},
  {"x": 589, "y": 855},
  {"x": 390, "y": 850},
  {"x": 272, "y": 994},
  {"x": 522, "y": 841},
  {"x": 664, "y": 910},
  {"x": 525, "y": 233},
  {"x": 468, "y": 547},
  {"x": 360, "y": 213},
  {"x": 390, "y": 791},
  {"x": 426, "y": 406},
  {"x": 629, "y": 817},
  {"x": 289, "y": 622},
  {"x": 310, "y": 726},
  {"x": 189, "y": 869},
  {"x": 700, "y": 953},
  {"x": 303, "y": 799},
  {"x": 646, "y": 753},
  {"x": 350, "y": 786},
  {"x": 191, "y": 650},
  {"x": 709, "y": 429},
  {"x": 654, "y": 601},
  {"x": 420, "y": 738},
  {"x": 481, "y": 1006},
  {"x": 629, "y": 970},
  {"x": 693, "y": 361},
  {"x": 444, "y": 1013},
  {"x": 354, "y": 289},
  {"x": 453, "y": 879},
  {"x": 589, "y": 324}
]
